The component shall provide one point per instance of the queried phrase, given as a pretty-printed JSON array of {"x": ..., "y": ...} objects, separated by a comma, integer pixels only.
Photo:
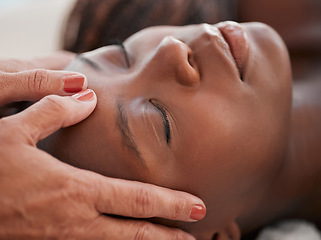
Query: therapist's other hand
[
  {"x": 32, "y": 85},
  {"x": 42, "y": 197},
  {"x": 27, "y": 80},
  {"x": 56, "y": 61}
]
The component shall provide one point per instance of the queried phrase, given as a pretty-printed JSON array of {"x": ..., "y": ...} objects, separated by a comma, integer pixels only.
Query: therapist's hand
[
  {"x": 22, "y": 80},
  {"x": 56, "y": 61},
  {"x": 41, "y": 197}
]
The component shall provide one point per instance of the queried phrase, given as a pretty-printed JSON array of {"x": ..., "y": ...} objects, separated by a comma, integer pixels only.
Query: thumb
[
  {"x": 51, "y": 113},
  {"x": 33, "y": 85}
]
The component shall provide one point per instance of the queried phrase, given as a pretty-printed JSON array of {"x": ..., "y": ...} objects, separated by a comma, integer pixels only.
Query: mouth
[{"x": 237, "y": 40}]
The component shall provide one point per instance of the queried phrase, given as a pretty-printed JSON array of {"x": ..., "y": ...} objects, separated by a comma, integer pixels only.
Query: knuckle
[
  {"x": 143, "y": 203},
  {"x": 143, "y": 232},
  {"x": 176, "y": 212},
  {"x": 13, "y": 131},
  {"x": 54, "y": 103},
  {"x": 38, "y": 80},
  {"x": 7, "y": 130},
  {"x": 178, "y": 208},
  {"x": 178, "y": 235},
  {"x": 80, "y": 191}
]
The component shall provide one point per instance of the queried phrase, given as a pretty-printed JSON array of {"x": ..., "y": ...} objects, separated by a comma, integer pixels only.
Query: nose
[{"x": 175, "y": 60}]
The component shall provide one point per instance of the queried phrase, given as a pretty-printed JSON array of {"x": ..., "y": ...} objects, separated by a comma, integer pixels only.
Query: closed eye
[
  {"x": 166, "y": 122},
  {"x": 121, "y": 45}
]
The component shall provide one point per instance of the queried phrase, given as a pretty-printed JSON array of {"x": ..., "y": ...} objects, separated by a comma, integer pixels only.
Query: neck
[{"x": 296, "y": 191}]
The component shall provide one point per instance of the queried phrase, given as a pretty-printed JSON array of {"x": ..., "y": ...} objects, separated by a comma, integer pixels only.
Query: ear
[{"x": 230, "y": 232}]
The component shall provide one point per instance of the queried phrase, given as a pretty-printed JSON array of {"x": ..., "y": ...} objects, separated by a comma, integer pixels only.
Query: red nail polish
[
  {"x": 86, "y": 95},
  {"x": 198, "y": 212},
  {"x": 73, "y": 83}
]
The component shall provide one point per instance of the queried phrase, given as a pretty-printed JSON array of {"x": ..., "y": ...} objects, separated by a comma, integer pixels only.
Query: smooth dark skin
[{"x": 235, "y": 144}]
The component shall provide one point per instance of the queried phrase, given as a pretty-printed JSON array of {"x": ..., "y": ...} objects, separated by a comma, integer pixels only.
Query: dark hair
[{"x": 94, "y": 23}]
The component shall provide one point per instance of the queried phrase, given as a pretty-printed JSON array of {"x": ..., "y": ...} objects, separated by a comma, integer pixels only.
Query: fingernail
[
  {"x": 73, "y": 83},
  {"x": 85, "y": 95},
  {"x": 198, "y": 212}
]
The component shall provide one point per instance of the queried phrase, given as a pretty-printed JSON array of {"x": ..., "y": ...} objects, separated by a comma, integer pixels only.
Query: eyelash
[
  {"x": 121, "y": 45},
  {"x": 166, "y": 121}
]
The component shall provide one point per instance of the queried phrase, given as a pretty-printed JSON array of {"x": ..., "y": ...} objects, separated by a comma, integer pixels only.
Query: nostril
[
  {"x": 179, "y": 60},
  {"x": 191, "y": 61},
  {"x": 190, "y": 56},
  {"x": 215, "y": 236},
  {"x": 191, "y": 70}
]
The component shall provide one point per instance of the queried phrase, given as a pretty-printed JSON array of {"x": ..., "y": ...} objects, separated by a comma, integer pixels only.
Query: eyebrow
[
  {"x": 126, "y": 134},
  {"x": 122, "y": 119},
  {"x": 89, "y": 62}
]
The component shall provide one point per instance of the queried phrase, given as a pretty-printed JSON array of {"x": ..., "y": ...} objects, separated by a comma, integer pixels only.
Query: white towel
[{"x": 291, "y": 230}]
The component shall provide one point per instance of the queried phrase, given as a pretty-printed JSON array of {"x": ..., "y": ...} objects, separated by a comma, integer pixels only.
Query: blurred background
[{"x": 30, "y": 28}]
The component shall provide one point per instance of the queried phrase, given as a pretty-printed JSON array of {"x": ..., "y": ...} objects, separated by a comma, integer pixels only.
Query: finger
[
  {"x": 51, "y": 113},
  {"x": 121, "y": 229},
  {"x": 33, "y": 85},
  {"x": 141, "y": 200},
  {"x": 56, "y": 61}
]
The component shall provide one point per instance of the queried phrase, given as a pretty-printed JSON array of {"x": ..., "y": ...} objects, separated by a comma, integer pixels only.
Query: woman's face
[{"x": 201, "y": 108}]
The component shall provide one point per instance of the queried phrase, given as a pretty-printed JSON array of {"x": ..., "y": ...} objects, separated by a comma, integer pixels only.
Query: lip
[{"x": 237, "y": 40}]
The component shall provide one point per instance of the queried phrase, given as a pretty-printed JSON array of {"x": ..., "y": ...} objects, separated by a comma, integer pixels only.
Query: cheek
[
  {"x": 227, "y": 156},
  {"x": 268, "y": 70},
  {"x": 269, "y": 78}
]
